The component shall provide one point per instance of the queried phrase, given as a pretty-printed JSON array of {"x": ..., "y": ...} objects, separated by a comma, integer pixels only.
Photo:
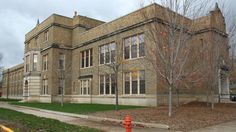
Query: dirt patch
[
  {"x": 16, "y": 127},
  {"x": 187, "y": 117}
]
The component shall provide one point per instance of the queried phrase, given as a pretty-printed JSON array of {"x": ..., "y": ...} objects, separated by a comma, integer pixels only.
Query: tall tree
[{"x": 170, "y": 43}]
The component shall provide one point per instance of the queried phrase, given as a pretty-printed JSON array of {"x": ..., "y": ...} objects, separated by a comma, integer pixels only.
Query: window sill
[
  {"x": 45, "y": 95},
  {"x": 111, "y": 95},
  {"x": 86, "y": 67},
  {"x": 133, "y": 95},
  {"x": 134, "y": 58}
]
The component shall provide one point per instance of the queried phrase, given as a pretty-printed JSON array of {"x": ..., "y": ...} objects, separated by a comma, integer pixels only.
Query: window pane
[
  {"x": 113, "y": 83},
  {"x": 134, "y": 51},
  {"x": 141, "y": 50},
  {"x": 102, "y": 58},
  {"x": 142, "y": 82},
  {"x": 91, "y": 57},
  {"x": 81, "y": 87},
  {"x": 87, "y": 58},
  {"x": 126, "y": 52},
  {"x": 134, "y": 47},
  {"x": 134, "y": 83},
  {"x": 101, "y": 84},
  {"x": 107, "y": 58},
  {"x": 61, "y": 61},
  {"x": 113, "y": 46},
  {"x": 88, "y": 88},
  {"x": 126, "y": 45},
  {"x": 127, "y": 83},
  {"x": 141, "y": 38},
  {"x": 102, "y": 53},
  {"x": 113, "y": 54},
  {"x": 82, "y": 59},
  {"x": 35, "y": 60},
  {"x": 113, "y": 49},
  {"x": 107, "y": 88}
]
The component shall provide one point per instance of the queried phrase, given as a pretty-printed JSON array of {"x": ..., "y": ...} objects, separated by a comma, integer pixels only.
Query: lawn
[
  {"x": 9, "y": 100},
  {"x": 25, "y": 122},
  {"x": 75, "y": 108}
]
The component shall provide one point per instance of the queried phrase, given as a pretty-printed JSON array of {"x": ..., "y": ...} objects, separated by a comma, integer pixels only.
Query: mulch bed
[
  {"x": 16, "y": 127},
  {"x": 187, "y": 117}
]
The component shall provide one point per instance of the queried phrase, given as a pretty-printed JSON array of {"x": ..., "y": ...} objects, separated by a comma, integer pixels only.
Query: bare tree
[
  {"x": 170, "y": 46},
  {"x": 63, "y": 72},
  {"x": 113, "y": 59}
]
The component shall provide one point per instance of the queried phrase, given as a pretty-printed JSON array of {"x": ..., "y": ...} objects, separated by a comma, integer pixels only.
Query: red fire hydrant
[{"x": 127, "y": 123}]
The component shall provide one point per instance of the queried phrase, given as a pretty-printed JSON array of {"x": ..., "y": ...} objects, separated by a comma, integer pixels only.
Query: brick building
[
  {"x": 12, "y": 82},
  {"x": 68, "y": 56}
]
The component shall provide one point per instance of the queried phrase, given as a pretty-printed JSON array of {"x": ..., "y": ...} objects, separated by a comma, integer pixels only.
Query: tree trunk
[
  {"x": 62, "y": 98},
  {"x": 170, "y": 101},
  {"x": 177, "y": 92},
  {"x": 212, "y": 99},
  {"x": 116, "y": 91},
  {"x": 207, "y": 97},
  {"x": 157, "y": 92}
]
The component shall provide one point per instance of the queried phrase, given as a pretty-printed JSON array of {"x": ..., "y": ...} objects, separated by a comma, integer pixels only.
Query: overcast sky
[{"x": 19, "y": 16}]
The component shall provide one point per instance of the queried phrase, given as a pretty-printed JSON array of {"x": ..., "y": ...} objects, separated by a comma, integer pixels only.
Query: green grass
[
  {"x": 34, "y": 124},
  {"x": 75, "y": 108},
  {"x": 9, "y": 100}
]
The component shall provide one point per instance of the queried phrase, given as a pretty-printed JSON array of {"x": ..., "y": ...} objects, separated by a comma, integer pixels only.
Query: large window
[
  {"x": 45, "y": 62},
  {"x": 134, "y": 47},
  {"x": 35, "y": 61},
  {"x": 27, "y": 65},
  {"x": 86, "y": 58},
  {"x": 45, "y": 87},
  {"x": 107, "y": 84},
  {"x": 85, "y": 87},
  {"x": 61, "y": 62},
  {"x": 134, "y": 82},
  {"x": 107, "y": 53}
]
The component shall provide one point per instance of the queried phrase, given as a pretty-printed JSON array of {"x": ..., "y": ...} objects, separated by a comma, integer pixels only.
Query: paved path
[
  {"x": 224, "y": 127},
  {"x": 76, "y": 120}
]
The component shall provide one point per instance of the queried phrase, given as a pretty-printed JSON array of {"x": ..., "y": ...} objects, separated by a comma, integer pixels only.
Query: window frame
[
  {"x": 35, "y": 64},
  {"x": 27, "y": 63},
  {"x": 131, "y": 83},
  {"x": 45, "y": 87},
  {"x": 129, "y": 40},
  {"x": 45, "y": 62},
  {"x": 83, "y": 55},
  {"x": 104, "y": 84},
  {"x": 61, "y": 58},
  {"x": 104, "y": 48},
  {"x": 46, "y": 36},
  {"x": 88, "y": 88}
]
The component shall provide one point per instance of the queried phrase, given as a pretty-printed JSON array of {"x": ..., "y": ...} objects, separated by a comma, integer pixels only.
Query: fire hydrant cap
[{"x": 128, "y": 118}]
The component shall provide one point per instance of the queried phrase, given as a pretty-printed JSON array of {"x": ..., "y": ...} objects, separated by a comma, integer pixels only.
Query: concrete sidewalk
[
  {"x": 224, "y": 127},
  {"x": 80, "y": 120}
]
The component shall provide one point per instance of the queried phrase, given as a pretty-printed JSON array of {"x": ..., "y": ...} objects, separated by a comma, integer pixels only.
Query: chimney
[
  {"x": 217, "y": 7},
  {"x": 75, "y": 13},
  {"x": 37, "y": 22}
]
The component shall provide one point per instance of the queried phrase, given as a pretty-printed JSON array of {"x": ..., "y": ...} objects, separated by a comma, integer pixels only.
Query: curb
[{"x": 97, "y": 119}]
